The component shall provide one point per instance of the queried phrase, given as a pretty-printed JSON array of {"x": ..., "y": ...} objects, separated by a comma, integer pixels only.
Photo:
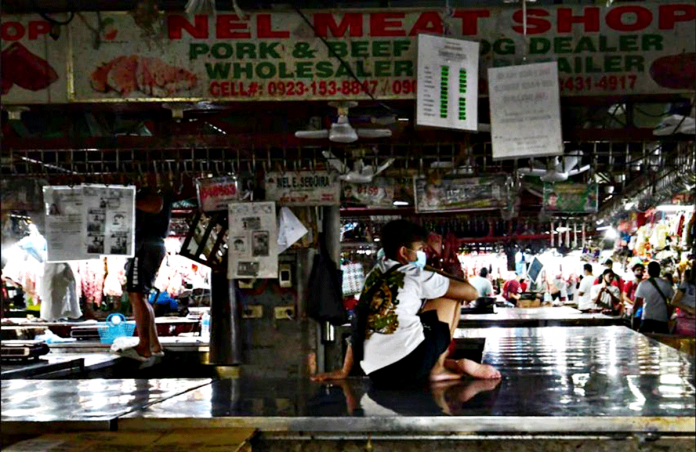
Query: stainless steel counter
[
  {"x": 557, "y": 381},
  {"x": 58, "y": 365},
  {"x": 42, "y": 406},
  {"x": 535, "y": 317},
  {"x": 567, "y": 380}
]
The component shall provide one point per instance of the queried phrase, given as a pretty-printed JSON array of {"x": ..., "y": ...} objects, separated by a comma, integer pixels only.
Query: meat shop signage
[
  {"x": 624, "y": 49},
  {"x": 32, "y": 62}
]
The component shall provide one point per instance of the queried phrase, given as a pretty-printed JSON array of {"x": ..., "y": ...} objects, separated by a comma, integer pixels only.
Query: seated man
[
  {"x": 405, "y": 340},
  {"x": 512, "y": 289},
  {"x": 482, "y": 284}
]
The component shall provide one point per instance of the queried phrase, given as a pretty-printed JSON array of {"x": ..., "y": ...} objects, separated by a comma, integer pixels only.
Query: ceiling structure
[{"x": 88, "y": 142}]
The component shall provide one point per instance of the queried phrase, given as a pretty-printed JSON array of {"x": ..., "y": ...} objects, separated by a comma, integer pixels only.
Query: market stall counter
[
  {"x": 570, "y": 380},
  {"x": 537, "y": 317},
  {"x": 559, "y": 384}
]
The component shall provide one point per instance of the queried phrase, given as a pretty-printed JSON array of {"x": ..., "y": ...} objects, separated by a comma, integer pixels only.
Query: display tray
[{"x": 536, "y": 317}]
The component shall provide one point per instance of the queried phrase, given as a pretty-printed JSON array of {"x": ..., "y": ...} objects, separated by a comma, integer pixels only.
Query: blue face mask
[{"x": 420, "y": 258}]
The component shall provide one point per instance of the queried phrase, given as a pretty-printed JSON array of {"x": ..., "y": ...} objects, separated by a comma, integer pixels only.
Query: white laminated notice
[
  {"x": 88, "y": 221},
  {"x": 109, "y": 220},
  {"x": 525, "y": 111},
  {"x": 252, "y": 241},
  {"x": 64, "y": 212}
]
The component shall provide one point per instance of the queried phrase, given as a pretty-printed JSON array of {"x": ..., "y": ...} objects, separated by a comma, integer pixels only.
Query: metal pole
[{"x": 225, "y": 346}]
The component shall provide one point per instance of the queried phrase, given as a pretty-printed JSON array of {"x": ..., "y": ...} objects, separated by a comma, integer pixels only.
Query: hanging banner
[
  {"x": 303, "y": 188},
  {"x": 33, "y": 60},
  {"x": 378, "y": 193},
  {"x": 564, "y": 197},
  {"x": 460, "y": 193},
  {"x": 110, "y": 220},
  {"x": 89, "y": 221},
  {"x": 645, "y": 48},
  {"x": 525, "y": 111},
  {"x": 447, "y": 83},
  {"x": 252, "y": 241},
  {"x": 216, "y": 193},
  {"x": 64, "y": 223}
]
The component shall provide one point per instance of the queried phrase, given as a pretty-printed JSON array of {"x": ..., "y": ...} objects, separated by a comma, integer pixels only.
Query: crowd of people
[{"x": 650, "y": 300}]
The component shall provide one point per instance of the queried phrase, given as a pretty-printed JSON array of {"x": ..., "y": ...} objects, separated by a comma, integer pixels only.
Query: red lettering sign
[
  {"x": 228, "y": 26},
  {"x": 385, "y": 25},
  {"x": 429, "y": 22},
  {"x": 325, "y": 22},
  {"x": 671, "y": 14},
  {"x": 535, "y": 26},
  {"x": 264, "y": 28},
  {"x": 589, "y": 18},
  {"x": 176, "y": 24},
  {"x": 615, "y": 18},
  {"x": 470, "y": 20}
]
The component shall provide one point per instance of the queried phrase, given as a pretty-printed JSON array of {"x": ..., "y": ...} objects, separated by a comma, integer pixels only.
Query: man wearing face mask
[{"x": 410, "y": 319}]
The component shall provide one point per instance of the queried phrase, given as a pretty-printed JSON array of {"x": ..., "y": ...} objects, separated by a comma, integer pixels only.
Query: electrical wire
[
  {"x": 51, "y": 20},
  {"x": 348, "y": 67}
]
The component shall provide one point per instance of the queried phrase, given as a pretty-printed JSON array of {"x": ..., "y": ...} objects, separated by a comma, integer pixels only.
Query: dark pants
[{"x": 653, "y": 326}]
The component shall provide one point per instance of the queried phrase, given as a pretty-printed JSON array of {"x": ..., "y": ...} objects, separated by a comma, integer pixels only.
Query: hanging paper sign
[
  {"x": 216, "y": 193},
  {"x": 64, "y": 208},
  {"x": 460, "y": 193},
  {"x": 252, "y": 241},
  {"x": 571, "y": 197},
  {"x": 87, "y": 221},
  {"x": 525, "y": 111},
  {"x": 447, "y": 92},
  {"x": 378, "y": 193},
  {"x": 109, "y": 220},
  {"x": 303, "y": 188}
]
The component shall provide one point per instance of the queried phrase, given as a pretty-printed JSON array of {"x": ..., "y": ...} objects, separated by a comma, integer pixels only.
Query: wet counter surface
[
  {"x": 534, "y": 317},
  {"x": 58, "y": 363},
  {"x": 569, "y": 380},
  {"x": 33, "y": 405}
]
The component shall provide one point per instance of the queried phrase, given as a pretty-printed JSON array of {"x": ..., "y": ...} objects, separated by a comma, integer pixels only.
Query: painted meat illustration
[
  {"x": 149, "y": 75},
  {"x": 675, "y": 71},
  {"x": 24, "y": 69},
  {"x": 6, "y": 85}
]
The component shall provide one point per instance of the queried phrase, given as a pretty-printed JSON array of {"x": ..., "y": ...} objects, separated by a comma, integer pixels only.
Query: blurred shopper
[
  {"x": 653, "y": 295},
  {"x": 585, "y": 302},
  {"x": 607, "y": 295},
  {"x": 482, "y": 284},
  {"x": 628, "y": 295},
  {"x": 512, "y": 289},
  {"x": 685, "y": 302}
]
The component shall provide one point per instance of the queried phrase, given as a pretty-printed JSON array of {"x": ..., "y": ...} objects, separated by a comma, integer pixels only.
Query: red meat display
[{"x": 24, "y": 69}]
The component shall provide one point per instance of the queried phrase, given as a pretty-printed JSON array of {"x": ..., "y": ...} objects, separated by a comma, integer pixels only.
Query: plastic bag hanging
[{"x": 290, "y": 229}]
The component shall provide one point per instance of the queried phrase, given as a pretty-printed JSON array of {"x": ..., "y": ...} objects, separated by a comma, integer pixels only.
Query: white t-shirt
[
  {"x": 482, "y": 285},
  {"x": 585, "y": 300},
  {"x": 606, "y": 299},
  {"x": 654, "y": 305},
  {"x": 396, "y": 330}
]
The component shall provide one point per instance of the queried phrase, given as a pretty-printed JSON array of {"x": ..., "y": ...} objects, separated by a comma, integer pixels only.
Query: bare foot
[
  {"x": 143, "y": 351},
  {"x": 473, "y": 369},
  {"x": 442, "y": 374}
]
